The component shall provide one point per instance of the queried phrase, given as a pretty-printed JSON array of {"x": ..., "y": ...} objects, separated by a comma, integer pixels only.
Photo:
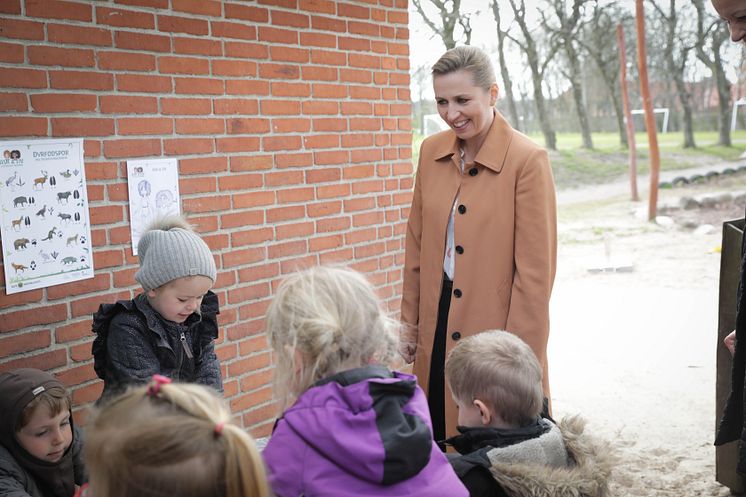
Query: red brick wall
[{"x": 290, "y": 120}]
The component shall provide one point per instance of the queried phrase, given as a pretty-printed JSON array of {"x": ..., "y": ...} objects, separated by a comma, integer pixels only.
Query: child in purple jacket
[{"x": 353, "y": 427}]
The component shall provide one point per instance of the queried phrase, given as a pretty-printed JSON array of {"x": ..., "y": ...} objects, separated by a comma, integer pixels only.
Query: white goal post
[
  {"x": 734, "y": 114},
  {"x": 657, "y": 110}
]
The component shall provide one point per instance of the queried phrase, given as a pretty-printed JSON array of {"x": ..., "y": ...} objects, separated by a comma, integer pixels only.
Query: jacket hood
[
  {"x": 365, "y": 415},
  {"x": 17, "y": 389}
]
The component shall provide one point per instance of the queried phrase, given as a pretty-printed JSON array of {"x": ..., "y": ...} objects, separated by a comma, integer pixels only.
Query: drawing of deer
[
  {"x": 10, "y": 180},
  {"x": 17, "y": 223},
  {"x": 42, "y": 180},
  {"x": 18, "y": 267},
  {"x": 72, "y": 239}
]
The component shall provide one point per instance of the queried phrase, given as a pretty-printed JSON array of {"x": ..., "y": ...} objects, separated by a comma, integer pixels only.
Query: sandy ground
[{"x": 634, "y": 352}]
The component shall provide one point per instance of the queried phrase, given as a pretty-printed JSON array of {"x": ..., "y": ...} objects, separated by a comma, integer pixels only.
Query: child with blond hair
[
  {"x": 350, "y": 425},
  {"x": 170, "y": 328},
  {"x": 40, "y": 450},
  {"x": 507, "y": 449},
  {"x": 171, "y": 439}
]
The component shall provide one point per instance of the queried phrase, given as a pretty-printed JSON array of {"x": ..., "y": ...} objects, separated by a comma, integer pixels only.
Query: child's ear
[
  {"x": 484, "y": 412},
  {"x": 297, "y": 356},
  {"x": 151, "y": 294}
]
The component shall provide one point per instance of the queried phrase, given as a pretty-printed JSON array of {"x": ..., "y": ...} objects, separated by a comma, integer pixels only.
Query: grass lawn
[{"x": 574, "y": 166}]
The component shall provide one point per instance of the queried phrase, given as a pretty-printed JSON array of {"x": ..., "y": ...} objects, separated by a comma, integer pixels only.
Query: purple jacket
[{"x": 363, "y": 433}]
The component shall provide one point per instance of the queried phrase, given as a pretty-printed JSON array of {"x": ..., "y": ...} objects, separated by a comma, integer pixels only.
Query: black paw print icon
[{"x": 32, "y": 265}]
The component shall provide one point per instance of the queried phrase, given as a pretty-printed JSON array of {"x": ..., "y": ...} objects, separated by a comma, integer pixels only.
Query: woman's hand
[
  {"x": 407, "y": 351},
  {"x": 730, "y": 342}
]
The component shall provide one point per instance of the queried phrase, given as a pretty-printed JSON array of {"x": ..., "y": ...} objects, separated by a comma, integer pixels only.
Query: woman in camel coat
[{"x": 481, "y": 243}]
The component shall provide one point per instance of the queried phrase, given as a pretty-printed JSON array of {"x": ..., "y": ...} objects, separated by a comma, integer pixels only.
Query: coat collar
[{"x": 494, "y": 149}]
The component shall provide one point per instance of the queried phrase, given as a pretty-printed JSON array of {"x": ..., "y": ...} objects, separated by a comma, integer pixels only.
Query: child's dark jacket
[
  {"x": 134, "y": 342},
  {"x": 542, "y": 460}
]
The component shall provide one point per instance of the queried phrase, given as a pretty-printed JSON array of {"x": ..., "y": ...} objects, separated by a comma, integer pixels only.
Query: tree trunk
[
  {"x": 723, "y": 88},
  {"x": 685, "y": 99},
  {"x": 577, "y": 93},
  {"x": 504, "y": 72}
]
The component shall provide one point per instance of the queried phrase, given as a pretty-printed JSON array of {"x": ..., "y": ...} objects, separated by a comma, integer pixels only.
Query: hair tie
[
  {"x": 155, "y": 385},
  {"x": 219, "y": 429}
]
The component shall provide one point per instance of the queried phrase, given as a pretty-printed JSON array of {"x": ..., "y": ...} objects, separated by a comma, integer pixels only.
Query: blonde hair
[
  {"x": 171, "y": 440},
  {"x": 467, "y": 58},
  {"x": 331, "y": 319},
  {"x": 55, "y": 398},
  {"x": 499, "y": 369}
]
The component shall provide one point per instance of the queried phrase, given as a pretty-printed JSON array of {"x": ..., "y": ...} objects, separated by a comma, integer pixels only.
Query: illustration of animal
[
  {"x": 63, "y": 196},
  {"x": 72, "y": 239},
  {"x": 17, "y": 223},
  {"x": 45, "y": 256},
  {"x": 10, "y": 180},
  {"x": 18, "y": 267},
  {"x": 42, "y": 180},
  {"x": 64, "y": 217},
  {"x": 50, "y": 235},
  {"x": 69, "y": 260},
  {"x": 19, "y": 201},
  {"x": 21, "y": 243},
  {"x": 66, "y": 174},
  {"x": 42, "y": 212}
]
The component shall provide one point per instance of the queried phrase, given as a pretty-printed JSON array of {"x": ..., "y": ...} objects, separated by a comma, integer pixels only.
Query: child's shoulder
[{"x": 14, "y": 479}]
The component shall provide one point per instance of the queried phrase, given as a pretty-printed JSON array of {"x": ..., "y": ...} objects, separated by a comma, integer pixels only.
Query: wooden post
[
  {"x": 630, "y": 126},
  {"x": 642, "y": 66}
]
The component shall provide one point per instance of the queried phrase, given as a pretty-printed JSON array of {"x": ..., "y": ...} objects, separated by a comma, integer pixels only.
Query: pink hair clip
[
  {"x": 219, "y": 429},
  {"x": 155, "y": 385}
]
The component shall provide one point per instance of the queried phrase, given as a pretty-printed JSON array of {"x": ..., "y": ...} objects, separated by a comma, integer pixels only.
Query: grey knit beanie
[{"x": 168, "y": 250}]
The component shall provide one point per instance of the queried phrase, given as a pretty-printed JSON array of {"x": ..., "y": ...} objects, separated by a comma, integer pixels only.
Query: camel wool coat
[{"x": 506, "y": 245}]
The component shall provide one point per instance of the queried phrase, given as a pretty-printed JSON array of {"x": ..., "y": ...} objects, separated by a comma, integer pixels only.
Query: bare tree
[
  {"x": 450, "y": 15},
  {"x": 564, "y": 35},
  {"x": 600, "y": 46},
  {"x": 710, "y": 28},
  {"x": 507, "y": 83},
  {"x": 529, "y": 47},
  {"x": 675, "y": 52}
]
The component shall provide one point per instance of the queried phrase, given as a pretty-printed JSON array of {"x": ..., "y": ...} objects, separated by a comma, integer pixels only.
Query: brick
[
  {"x": 321, "y": 6},
  {"x": 253, "y": 199},
  {"x": 321, "y": 141},
  {"x": 17, "y": 299},
  {"x": 364, "y": 61},
  {"x": 293, "y": 160},
  {"x": 288, "y": 54},
  {"x": 77, "y": 375},
  {"x": 336, "y": 257},
  {"x": 11, "y": 7},
  {"x": 31, "y": 317},
  {"x": 203, "y": 165},
  {"x": 242, "y": 144},
  {"x": 295, "y": 195},
  {"x": 73, "y": 331},
  {"x": 13, "y": 102},
  {"x": 184, "y": 146},
  {"x": 106, "y": 214},
  {"x": 251, "y": 163},
  {"x": 246, "y": 12},
  {"x": 197, "y": 46},
  {"x": 91, "y": 148},
  {"x": 240, "y": 182},
  {"x": 185, "y": 106},
  {"x": 238, "y": 68},
  {"x": 320, "y": 209},
  {"x": 332, "y": 157},
  {"x": 88, "y": 393},
  {"x": 329, "y": 57},
  {"x": 201, "y": 7},
  {"x": 329, "y": 124},
  {"x": 142, "y": 41},
  {"x": 316, "y": 73},
  {"x": 291, "y": 19},
  {"x": 124, "y": 18},
  {"x": 76, "y": 126},
  {"x": 25, "y": 30},
  {"x": 145, "y": 126},
  {"x": 176, "y": 24},
  {"x": 356, "y": 11},
  {"x": 243, "y": 257},
  {"x": 294, "y": 230},
  {"x": 364, "y": 28},
  {"x": 79, "y": 35},
  {"x": 12, "y": 53},
  {"x": 239, "y": 126},
  {"x": 270, "y": 70},
  {"x": 56, "y": 56},
  {"x": 323, "y": 23},
  {"x": 183, "y": 65},
  {"x": 246, "y": 87},
  {"x": 54, "y": 9},
  {"x": 259, "y": 272},
  {"x": 125, "y": 61},
  {"x": 116, "y": 104},
  {"x": 251, "y": 237},
  {"x": 158, "y": 4},
  {"x": 25, "y": 342},
  {"x": 319, "y": 244},
  {"x": 108, "y": 258},
  {"x": 98, "y": 283},
  {"x": 23, "y": 126},
  {"x": 81, "y": 80},
  {"x": 308, "y": 39},
  {"x": 355, "y": 76},
  {"x": 207, "y": 204},
  {"x": 245, "y": 365},
  {"x": 280, "y": 214},
  {"x": 354, "y": 44},
  {"x": 246, "y": 50},
  {"x": 221, "y": 29},
  {"x": 132, "y": 148},
  {"x": 275, "y": 143},
  {"x": 331, "y": 191},
  {"x": 260, "y": 414},
  {"x": 46, "y": 360},
  {"x": 259, "y": 379},
  {"x": 323, "y": 175},
  {"x": 280, "y": 107},
  {"x": 357, "y": 140},
  {"x": 201, "y": 126},
  {"x": 241, "y": 219},
  {"x": 277, "y": 35},
  {"x": 199, "y": 86},
  {"x": 247, "y": 293},
  {"x": 365, "y": 92},
  {"x": 291, "y": 125}
]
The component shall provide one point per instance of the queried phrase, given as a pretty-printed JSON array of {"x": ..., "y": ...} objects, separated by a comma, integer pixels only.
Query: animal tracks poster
[
  {"x": 46, "y": 232},
  {"x": 154, "y": 193}
]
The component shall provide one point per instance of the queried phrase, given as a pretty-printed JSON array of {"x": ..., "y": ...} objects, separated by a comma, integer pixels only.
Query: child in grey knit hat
[{"x": 170, "y": 328}]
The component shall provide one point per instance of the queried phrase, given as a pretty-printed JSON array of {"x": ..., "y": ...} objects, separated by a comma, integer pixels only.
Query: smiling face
[
  {"x": 734, "y": 13},
  {"x": 466, "y": 108},
  {"x": 46, "y": 437},
  {"x": 178, "y": 299}
]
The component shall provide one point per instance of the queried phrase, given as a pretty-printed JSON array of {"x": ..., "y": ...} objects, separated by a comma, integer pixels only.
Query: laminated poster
[
  {"x": 46, "y": 231},
  {"x": 153, "y": 191}
]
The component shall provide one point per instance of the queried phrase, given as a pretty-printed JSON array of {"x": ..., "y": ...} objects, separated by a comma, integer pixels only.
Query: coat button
[
  {"x": 456, "y": 335},
  {"x": 461, "y": 209},
  {"x": 459, "y": 249},
  {"x": 473, "y": 171},
  {"x": 457, "y": 293}
]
